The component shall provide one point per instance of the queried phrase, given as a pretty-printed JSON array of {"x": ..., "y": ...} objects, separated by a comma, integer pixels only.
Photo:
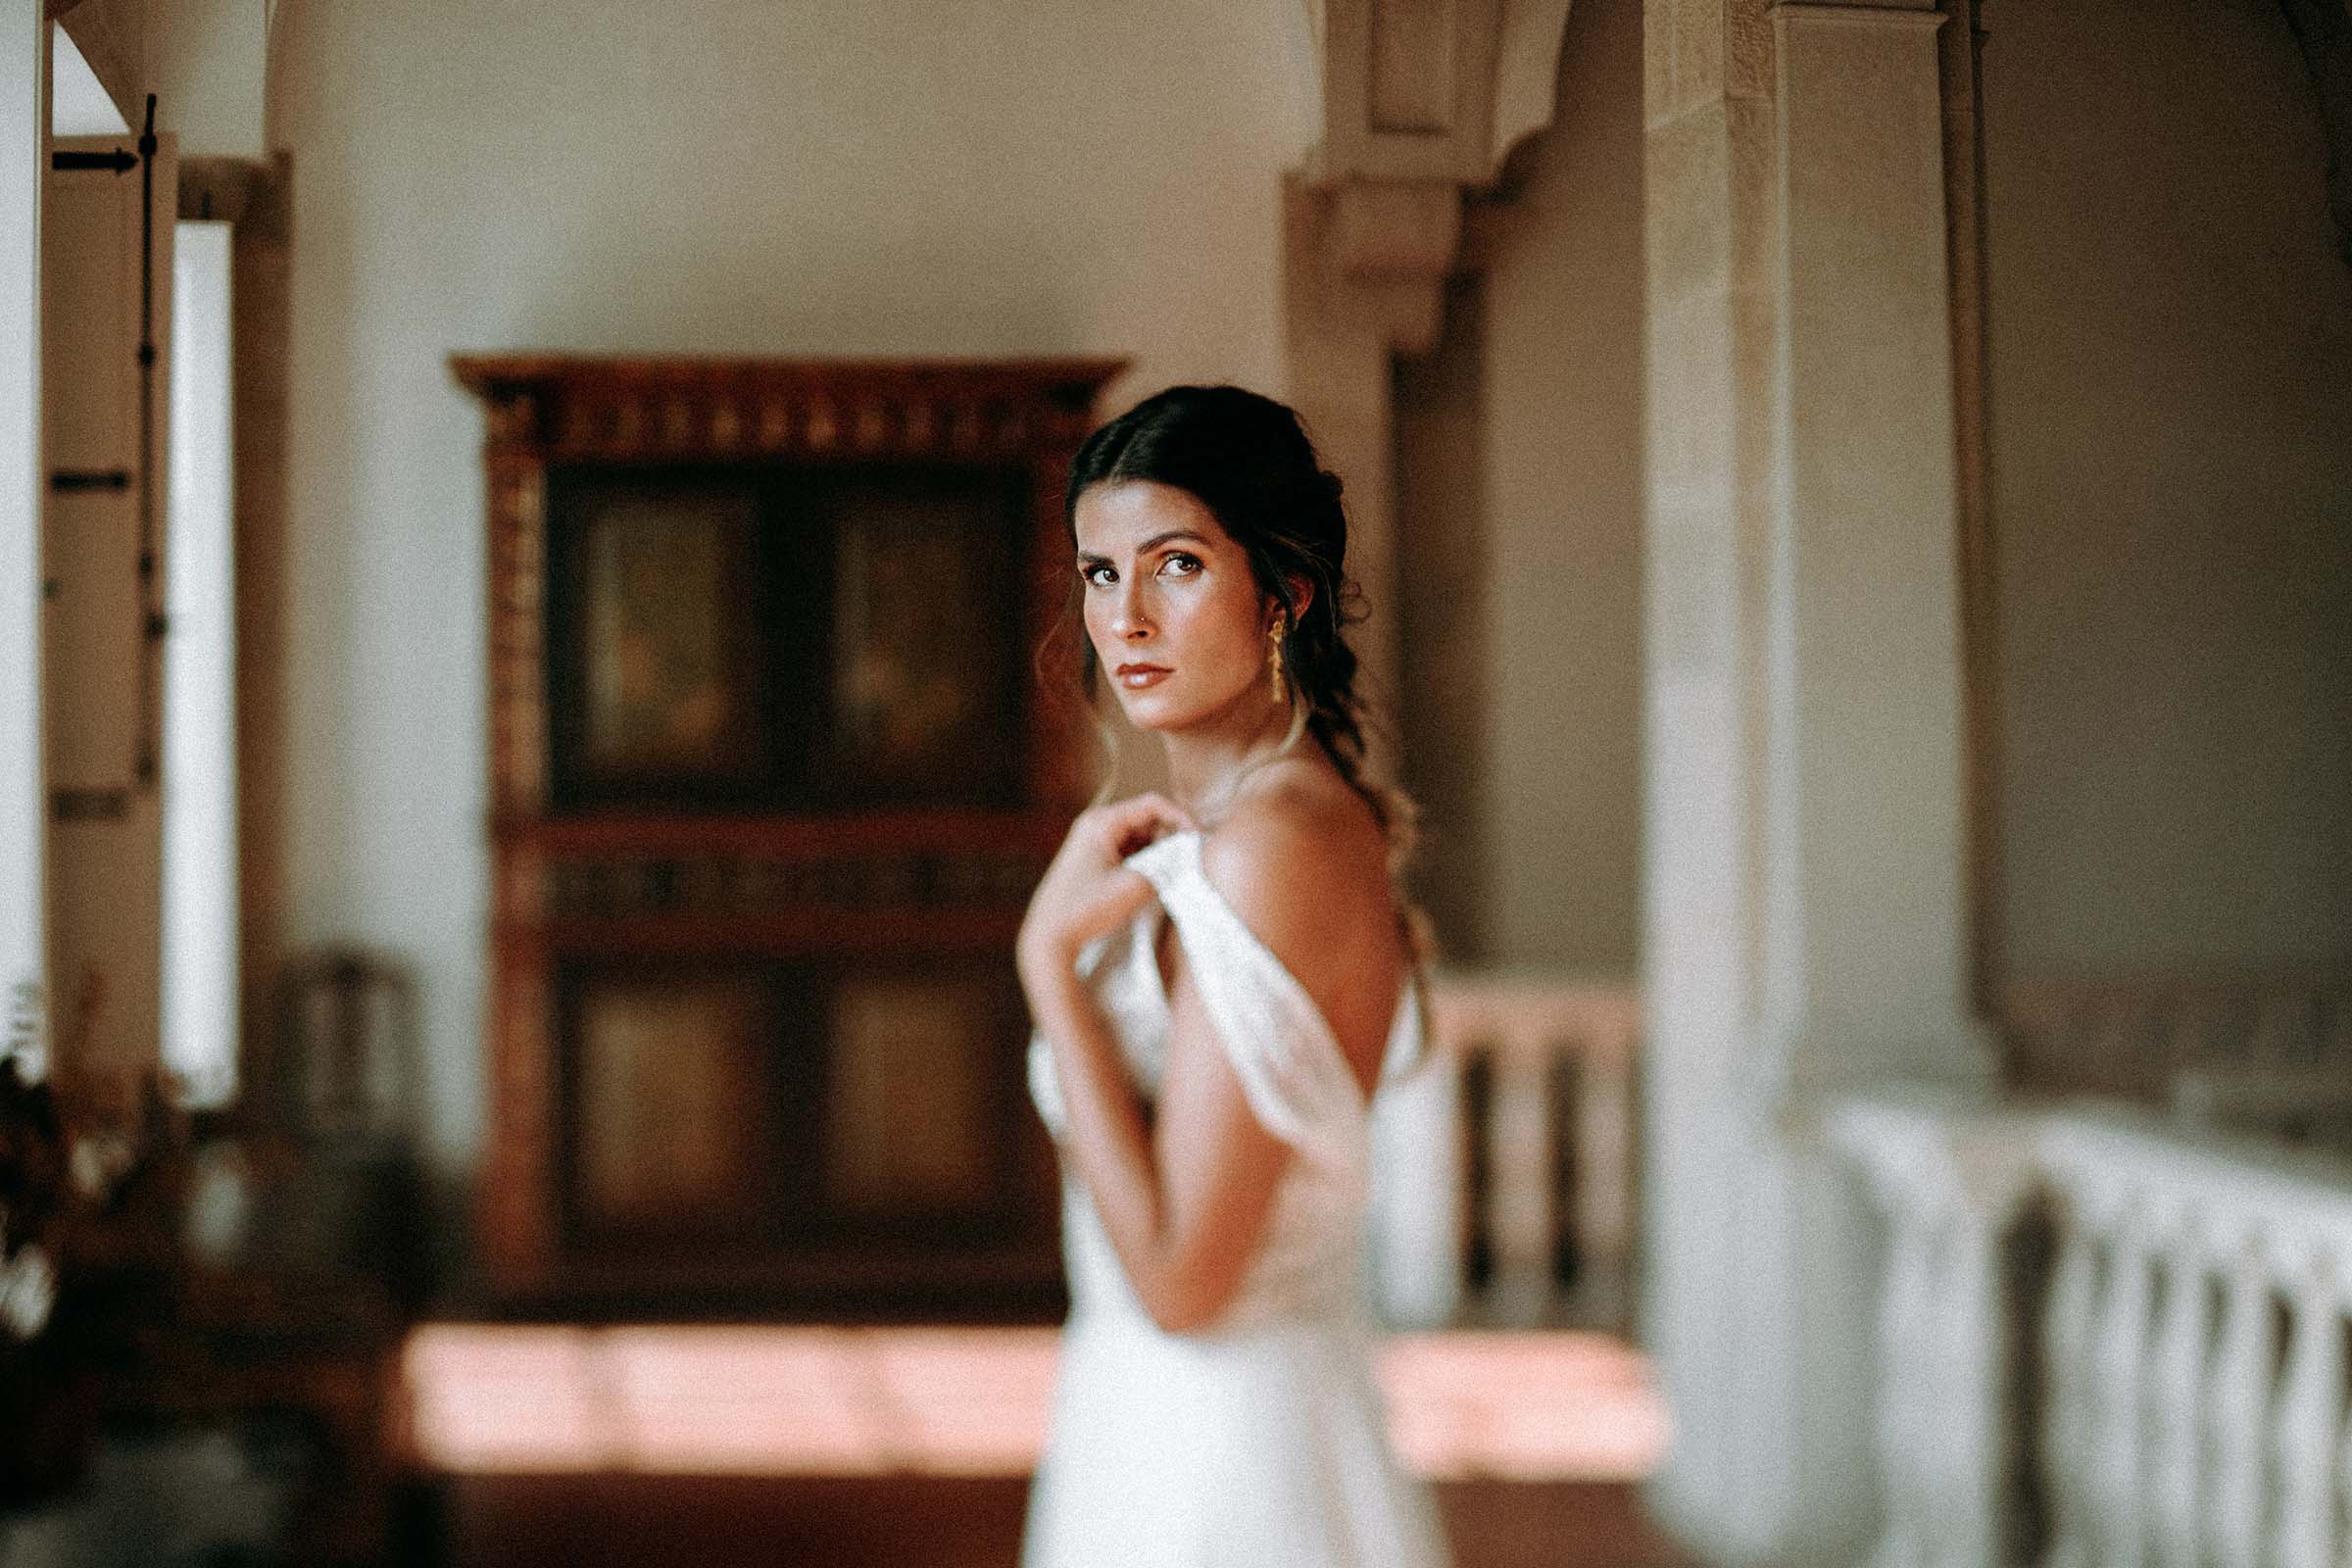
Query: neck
[{"x": 1207, "y": 762}]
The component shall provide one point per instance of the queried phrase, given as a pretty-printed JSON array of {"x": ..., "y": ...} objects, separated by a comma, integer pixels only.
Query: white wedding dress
[{"x": 1261, "y": 1439}]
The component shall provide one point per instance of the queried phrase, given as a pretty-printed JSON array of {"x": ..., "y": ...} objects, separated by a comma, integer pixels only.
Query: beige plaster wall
[
  {"x": 2171, "y": 436},
  {"x": 1530, "y": 672},
  {"x": 206, "y": 62},
  {"x": 840, "y": 177}
]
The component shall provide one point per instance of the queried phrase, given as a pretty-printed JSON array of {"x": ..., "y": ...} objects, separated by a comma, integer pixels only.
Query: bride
[{"x": 1221, "y": 977}]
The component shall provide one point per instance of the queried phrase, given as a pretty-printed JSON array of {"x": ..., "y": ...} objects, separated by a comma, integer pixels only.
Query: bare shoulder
[
  {"x": 1305, "y": 864},
  {"x": 1302, "y": 861},
  {"x": 1295, "y": 840}
]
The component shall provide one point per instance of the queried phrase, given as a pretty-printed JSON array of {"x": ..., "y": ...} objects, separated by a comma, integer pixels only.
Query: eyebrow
[{"x": 1151, "y": 544}]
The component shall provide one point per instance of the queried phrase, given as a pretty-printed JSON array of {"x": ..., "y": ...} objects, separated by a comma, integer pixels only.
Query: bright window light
[{"x": 200, "y": 995}]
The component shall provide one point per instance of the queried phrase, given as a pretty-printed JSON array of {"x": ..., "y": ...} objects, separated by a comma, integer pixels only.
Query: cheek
[
  {"x": 1237, "y": 631},
  {"x": 1095, "y": 614},
  {"x": 1221, "y": 639}
]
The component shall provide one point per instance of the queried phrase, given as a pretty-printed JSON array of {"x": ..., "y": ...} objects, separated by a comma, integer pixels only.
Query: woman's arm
[{"x": 1184, "y": 1198}]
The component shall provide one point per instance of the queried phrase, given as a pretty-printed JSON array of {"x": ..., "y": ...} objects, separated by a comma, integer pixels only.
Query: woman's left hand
[{"x": 1088, "y": 891}]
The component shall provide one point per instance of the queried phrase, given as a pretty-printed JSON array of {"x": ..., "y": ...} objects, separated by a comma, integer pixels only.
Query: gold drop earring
[{"x": 1279, "y": 687}]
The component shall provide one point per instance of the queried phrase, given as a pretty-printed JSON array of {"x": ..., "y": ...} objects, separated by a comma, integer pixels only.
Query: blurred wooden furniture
[
  {"x": 324, "y": 1360},
  {"x": 772, "y": 774}
]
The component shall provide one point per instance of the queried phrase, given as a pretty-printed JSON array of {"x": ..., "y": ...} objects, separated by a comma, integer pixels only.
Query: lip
[{"x": 1135, "y": 677}]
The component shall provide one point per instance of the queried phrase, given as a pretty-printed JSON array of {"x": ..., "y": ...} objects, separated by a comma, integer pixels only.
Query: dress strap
[{"x": 1281, "y": 1046}]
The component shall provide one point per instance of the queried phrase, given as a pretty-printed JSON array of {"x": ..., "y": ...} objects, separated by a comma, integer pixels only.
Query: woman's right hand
[{"x": 1088, "y": 891}]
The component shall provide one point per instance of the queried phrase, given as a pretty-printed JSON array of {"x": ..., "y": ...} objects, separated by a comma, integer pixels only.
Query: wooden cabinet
[{"x": 774, "y": 763}]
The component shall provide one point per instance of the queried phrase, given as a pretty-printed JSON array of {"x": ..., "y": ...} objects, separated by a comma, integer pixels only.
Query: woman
[{"x": 1220, "y": 976}]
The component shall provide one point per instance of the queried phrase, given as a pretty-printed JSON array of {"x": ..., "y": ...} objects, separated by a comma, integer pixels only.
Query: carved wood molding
[{"x": 562, "y": 406}]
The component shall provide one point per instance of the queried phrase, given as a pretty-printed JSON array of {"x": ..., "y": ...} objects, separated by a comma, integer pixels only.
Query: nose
[{"x": 1129, "y": 620}]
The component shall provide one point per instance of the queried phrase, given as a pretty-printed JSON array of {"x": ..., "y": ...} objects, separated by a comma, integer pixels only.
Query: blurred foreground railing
[
  {"x": 2105, "y": 1338},
  {"x": 1503, "y": 1187}
]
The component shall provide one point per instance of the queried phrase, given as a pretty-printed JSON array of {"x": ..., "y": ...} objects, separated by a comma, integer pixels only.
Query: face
[{"x": 1173, "y": 611}]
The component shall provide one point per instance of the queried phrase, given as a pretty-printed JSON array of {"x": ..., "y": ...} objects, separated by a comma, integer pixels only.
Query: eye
[
  {"x": 1176, "y": 563},
  {"x": 1099, "y": 574}
]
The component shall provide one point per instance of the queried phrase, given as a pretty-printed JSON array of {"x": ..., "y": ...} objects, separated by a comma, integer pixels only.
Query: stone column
[
  {"x": 24, "y": 818},
  {"x": 1806, "y": 923}
]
